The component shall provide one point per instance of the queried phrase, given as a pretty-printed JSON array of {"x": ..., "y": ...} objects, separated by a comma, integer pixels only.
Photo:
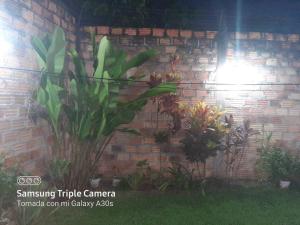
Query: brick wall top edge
[{"x": 197, "y": 34}]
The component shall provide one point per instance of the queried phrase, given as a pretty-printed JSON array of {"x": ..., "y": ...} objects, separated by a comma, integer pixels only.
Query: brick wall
[
  {"x": 274, "y": 57},
  {"x": 21, "y": 140},
  {"x": 277, "y": 107}
]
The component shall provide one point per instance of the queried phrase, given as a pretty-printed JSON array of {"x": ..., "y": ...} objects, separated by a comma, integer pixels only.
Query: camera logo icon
[{"x": 29, "y": 180}]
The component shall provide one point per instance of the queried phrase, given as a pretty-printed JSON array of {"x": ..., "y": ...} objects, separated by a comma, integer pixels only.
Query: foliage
[
  {"x": 58, "y": 169},
  {"x": 236, "y": 140},
  {"x": 8, "y": 180},
  {"x": 33, "y": 215},
  {"x": 169, "y": 104},
  {"x": 138, "y": 179},
  {"x": 161, "y": 137},
  {"x": 204, "y": 134},
  {"x": 176, "y": 177},
  {"x": 83, "y": 112},
  {"x": 275, "y": 164},
  {"x": 180, "y": 177}
]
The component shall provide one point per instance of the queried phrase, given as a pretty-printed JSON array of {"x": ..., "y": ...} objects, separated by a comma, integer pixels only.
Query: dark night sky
[{"x": 251, "y": 15}]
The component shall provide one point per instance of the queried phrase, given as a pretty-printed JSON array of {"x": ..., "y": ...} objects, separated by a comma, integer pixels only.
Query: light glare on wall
[
  {"x": 238, "y": 73},
  {"x": 5, "y": 47}
]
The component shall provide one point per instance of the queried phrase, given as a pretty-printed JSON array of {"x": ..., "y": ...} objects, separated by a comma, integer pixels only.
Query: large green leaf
[
  {"x": 41, "y": 97},
  {"x": 130, "y": 131},
  {"x": 159, "y": 90},
  {"x": 80, "y": 72},
  {"x": 103, "y": 49},
  {"x": 139, "y": 59},
  {"x": 53, "y": 103},
  {"x": 56, "y": 52},
  {"x": 104, "y": 92},
  {"x": 41, "y": 51}
]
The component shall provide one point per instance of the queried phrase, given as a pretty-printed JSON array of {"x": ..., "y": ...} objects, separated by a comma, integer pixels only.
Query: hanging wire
[{"x": 142, "y": 81}]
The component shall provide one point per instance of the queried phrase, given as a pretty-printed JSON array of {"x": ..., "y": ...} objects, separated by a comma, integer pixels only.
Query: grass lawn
[{"x": 247, "y": 206}]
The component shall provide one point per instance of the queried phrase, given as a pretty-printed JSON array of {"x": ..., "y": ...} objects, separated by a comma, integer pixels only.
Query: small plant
[
  {"x": 33, "y": 215},
  {"x": 204, "y": 134},
  {"x": 58, "y": 168},
  {"x": 8, "y": 179},
  {"x": 180, "y": 177},
  {"x": 137, "y": 180},
  {"x": 235, "y": 143},
  {"x": 116, "y": 179},
  {"x": 162, "y": 137},
  {"x": 276, "y": 164}
]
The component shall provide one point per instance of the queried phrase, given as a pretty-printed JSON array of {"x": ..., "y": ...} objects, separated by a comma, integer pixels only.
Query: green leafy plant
[
  {"x": 180, "y": 178},
  {"x": 138, "y": 179},
  {"x": 235, "y": 143},
  {"x": 161, "y": 137},
  {"x": 33, "y": 215},
  {"x": 8, "y": 187},
  {"x": 85, "y": 111},
  {"x": 274, "y": 163},
  {"x": 58, "y": 169},
  {"x": 204, "y": 134}
]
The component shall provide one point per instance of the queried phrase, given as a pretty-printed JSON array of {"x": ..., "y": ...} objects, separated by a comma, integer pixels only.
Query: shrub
[
  {"x": 204, "y": 134},
  {"x": 8, "y": 180},
  {"x": 275, "y": 164}
]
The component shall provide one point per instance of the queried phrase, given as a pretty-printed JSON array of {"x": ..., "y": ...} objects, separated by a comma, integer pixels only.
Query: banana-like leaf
[
  {"x": 139, "y": 59},
  {"x": 159, "y": 90},
  {"x": 85, "y": 126},
  {"x": 56, "y": 52},
  {"x": 41, "y": 97},
  {"x": 130, "y": 130},
  {"x": 103, "y": 49},
  {"x": 80, "y": 72},
  {"x": 53, "y": 103},
  {"x": 116, "y": 70},
  {"x": 104, "y": 92},
  {"x": 41, "y": 51},
  {"x": 73, "y": 87}
]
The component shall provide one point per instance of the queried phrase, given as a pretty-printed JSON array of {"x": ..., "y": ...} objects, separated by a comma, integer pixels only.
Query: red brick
[
  {"x": 188, "y": 93},
  {"x": 186, "y": 33},
  {"x": 280, "y": 37},
  {"x": 157, "y": 32},
  {"x": 293, "y": 37},
  {"x": 52, "y": 7},
  {"x": 201, "y": 93},
  {"x": 211, "y": 34},
  {"x": 177, "y": 41},
  {"x": 130, "y": 31},
  {"x": 37, "y": 132},
  {"x": 144, "y": 31},
  {"x": 56, "y": 20},
  {"x": 240, "y": 35},
  {"x": 27, "y": 15},
  {"x": 19, "y": 24},
  {"x": 172, "y": 32},
  {"x": 11, "y": 161},
  {"x": 254, "y": 35},
  {"x": 199, "y": 34},
  {"x": 268, "y": 36},
  {"x": 102, "y": 30},
  {"x": 116, "y": 31},
  {"x": 36, "y": 8},
  {"x": 164, "y": 41}
]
